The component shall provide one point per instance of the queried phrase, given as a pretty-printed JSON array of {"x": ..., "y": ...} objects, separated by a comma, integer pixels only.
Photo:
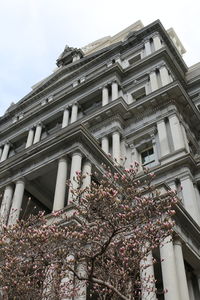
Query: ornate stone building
[{"x": 128, "y": 95}]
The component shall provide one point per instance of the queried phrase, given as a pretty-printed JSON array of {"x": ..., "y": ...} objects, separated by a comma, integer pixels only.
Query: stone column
[
  {"x": 30, "y": 137},
  {"x": 5, "y": 152},
  {"x": 114, "y": 88},
  {"x": 60, "y": 189},
  {"x": 177, "y": 135},
  {"x": 38, "y": 133},
  {"x": 74, "y": 112},
  {"x": 157, "y": 42},
  {"x": 87, "y": 168},
  {"x": 17, "y": 201},
  {"x": 189, "y": 197},
  {"x": 65, "y": 120},
  {"x": 116, "y": 146},
  {"x": 180, "y": 269},
  {"x": 6, "y": 203},
  {"x": 68, "y": 277},
  {"x": 147, "y": 47},
  {"x": 105, "y": 95},
  {"x": 164, "y": 75},
  {"x": 81, "y": 269},
  {"x": 163, "y": 138},
  {"x": 153, "y": 81},
  {"x": 168, "y": 267},
  {"x": 148, "y": 278},
  {"x": 75, "y": 167},
  {"x": 105, "y": 144}
]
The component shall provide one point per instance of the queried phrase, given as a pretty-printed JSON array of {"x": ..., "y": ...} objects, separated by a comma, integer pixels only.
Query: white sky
[{"x": 33, "y": 33}]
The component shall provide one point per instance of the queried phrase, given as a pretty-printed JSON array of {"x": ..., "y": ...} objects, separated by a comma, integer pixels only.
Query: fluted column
[
  {"x": 6, "y": 203},
  {"x": 148, "y": 278},
  {"x": 60, "y": 189},
  {"x": 115, "y": 91},
  {"x": 153, "y": 81},
  {"x": 169, "y": 275},
  {"x": 38, "y": 133},
  {"x": 105, "y": 95},
  {"x": 17, "y": 201},
  {"x": 147, "y": 47},
  {"x": 75, "y": 167},
  {"x": 65, "y": 120},
  {"x": 116, "y": 146},
  {"x": 164, "y": 75},
  {"x": 177, "y": 135},
  {"x": 74, "y": 114},
  {"x": 157, "y": 42},
  {"x": 163, "y": 138},
  {"x": 5, "y": 152},
  {"x": 105, "y": 144},
  {"x": 180, "y": 269},
  {"x": 87, "y": 168},
  {"x": 30, "y": 137}
]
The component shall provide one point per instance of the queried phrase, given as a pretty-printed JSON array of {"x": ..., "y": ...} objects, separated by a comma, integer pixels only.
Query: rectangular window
[
  {"x": 134, "y": 59},
  {"x": 139, "y": 94},
  {"x": 148, "y": 157}
]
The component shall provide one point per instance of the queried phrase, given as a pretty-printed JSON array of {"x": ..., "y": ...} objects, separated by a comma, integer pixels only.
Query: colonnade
[
  {"x": 35, "y": 132},
  {"x": 114, "y": 92},
  {"x": 172, "y": 136},
  {"x": 14, "y": 192},
  {"x": 155, "y": 40},
  {"x": 173, "y": 272},
  {"x": 159, "y": 77},
  {"x": 115, "y": 147}
]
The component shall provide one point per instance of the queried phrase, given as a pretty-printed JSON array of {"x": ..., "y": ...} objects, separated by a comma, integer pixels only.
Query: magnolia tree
[{"x": 96, "y": 245}]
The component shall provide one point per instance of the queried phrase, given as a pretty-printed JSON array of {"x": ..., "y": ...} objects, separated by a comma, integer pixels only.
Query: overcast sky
[{"x": 33, "y": 33}]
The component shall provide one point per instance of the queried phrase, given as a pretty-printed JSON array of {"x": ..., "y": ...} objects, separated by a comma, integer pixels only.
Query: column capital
[
  {"x": 21, "y": 179},
  {"x": 155, "y": 34},
  {"x": 115, "y": 81},
  {"x": 38, "y": 124},
  {"x": 77, "y": 152},
  {"x": 62, "y": 158},
  {"x": 32, "y": 127},
  {"x": 146, "y": 39},
  {"x": 177, "y": 241},
  {"x": 105, "y": 85},
  {"x": 87, "y": 161}
]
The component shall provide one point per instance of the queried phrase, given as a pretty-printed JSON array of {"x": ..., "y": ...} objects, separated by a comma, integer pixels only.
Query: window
[
  {"x": 139, "y": 94},
  {"x": 148, "y": 157},
  {"x": 134, "y": 59},
  {"x": 178, "y": 188}
]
